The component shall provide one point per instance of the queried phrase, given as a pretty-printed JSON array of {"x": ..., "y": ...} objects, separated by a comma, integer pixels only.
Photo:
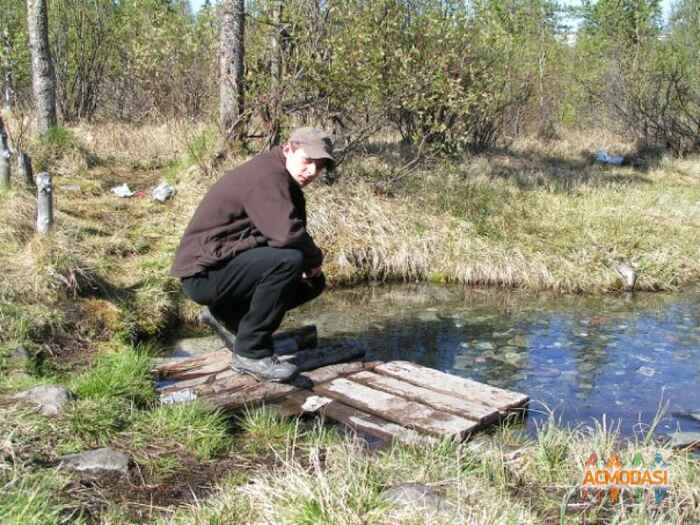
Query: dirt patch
[{"x": 142, "y": 499}]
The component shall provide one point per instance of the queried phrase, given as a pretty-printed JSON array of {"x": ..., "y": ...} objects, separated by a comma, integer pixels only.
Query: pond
[{"x": 580, "y": 357}]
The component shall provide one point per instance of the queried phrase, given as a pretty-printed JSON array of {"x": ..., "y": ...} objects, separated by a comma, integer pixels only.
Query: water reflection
[{"x": 582, "y": 357}]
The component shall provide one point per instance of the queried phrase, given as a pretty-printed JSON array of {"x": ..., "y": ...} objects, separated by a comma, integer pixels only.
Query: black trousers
[{"x": 251, "y": 293}]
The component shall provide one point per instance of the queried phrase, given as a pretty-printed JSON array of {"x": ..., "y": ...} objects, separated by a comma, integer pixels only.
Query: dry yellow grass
[{"x": 537, "y": 216}]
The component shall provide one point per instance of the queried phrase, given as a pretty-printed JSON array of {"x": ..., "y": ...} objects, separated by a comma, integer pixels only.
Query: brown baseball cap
[{"x": 317, "y": 143}]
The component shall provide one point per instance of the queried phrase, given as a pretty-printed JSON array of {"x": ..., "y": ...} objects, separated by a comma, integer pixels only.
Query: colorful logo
[{"x": 611, "y": 478}]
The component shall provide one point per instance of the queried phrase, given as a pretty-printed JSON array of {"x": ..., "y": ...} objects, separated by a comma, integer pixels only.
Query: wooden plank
[
  {"x": 319, "y": 357},
  {"x": 454, "y": 405},
  {"x": 503, "y": 400},
  {"x": 330, "y": 372},
  {"x": 359, "y": 421},
  {"x": 215, "y": 362},
  {"x": 167, "y": 387},
  {"x": 248, "y": 394},
  {"x": 232, "y": 383},
  {"x": 204, "y": 365},
  {"x": 284, "y": 343},
  {"x": 396, "y": 409}
]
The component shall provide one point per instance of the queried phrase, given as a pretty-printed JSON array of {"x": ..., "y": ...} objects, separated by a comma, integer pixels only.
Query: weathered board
[
  {"x": 217, "y": 362},
  {"x": 205, "y": 365},
  {"x": 396, "y": 409},
  {"x": 231, "y": 390},
  {"x": 437, "y": 400},
  {"x": 498, "y": 398},
  {"x": 318, "y": 357},
  {"x": 389, "y": 401},
  {"x": 357, "y": 420}
]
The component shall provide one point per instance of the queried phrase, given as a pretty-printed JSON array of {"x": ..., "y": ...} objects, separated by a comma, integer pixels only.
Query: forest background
[{"x": 453, "y": 75}]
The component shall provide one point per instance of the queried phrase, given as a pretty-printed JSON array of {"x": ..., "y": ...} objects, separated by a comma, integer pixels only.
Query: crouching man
[{"x": 246, "y": 254}]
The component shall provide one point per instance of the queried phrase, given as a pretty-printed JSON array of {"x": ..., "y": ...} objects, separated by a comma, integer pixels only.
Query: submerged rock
[
  {"x": 98, "y": 461},
  {"x": 414, "y": 495},
  {"x": 646, "y": 371},
  {"x": 685, "y": 439},
  {"x": 48, "y": 399}
]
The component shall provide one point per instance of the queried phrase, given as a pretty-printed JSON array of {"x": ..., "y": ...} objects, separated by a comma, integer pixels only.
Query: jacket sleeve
[{"x": 269, "y": 205}]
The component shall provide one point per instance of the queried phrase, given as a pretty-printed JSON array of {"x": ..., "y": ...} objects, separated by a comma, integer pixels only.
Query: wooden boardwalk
[{"x": 394, "y": 400}]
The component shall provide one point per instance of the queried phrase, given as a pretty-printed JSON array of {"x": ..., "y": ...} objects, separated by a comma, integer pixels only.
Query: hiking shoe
[{"x": 265, "y": 369}]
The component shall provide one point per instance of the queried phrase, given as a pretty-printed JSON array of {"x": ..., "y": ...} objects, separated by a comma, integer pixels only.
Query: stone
[
  {"x": 685, "y": 440},
  {"x": 20, "y": 353},
  {"x": 646, "y": 371},
  {"x": 484, "y": 345},
  {"x": 19, "y": 359},
  {"x": 628, "y": 275},
  {"x": 414, "y": 495},
  {"x": 428, "y": 316},
  {"x": 519, "y": 340},
  {"x": 499, "y": 335},
  {"x": 98, "y": 461},
  {"x": 49, "y": 399}
]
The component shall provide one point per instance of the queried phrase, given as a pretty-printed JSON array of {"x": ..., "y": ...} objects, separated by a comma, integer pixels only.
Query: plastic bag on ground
[
  {"x": 122, "y": 190},
  {"x": 163, "y": 192},
  {"x": 602, "y": 156}
]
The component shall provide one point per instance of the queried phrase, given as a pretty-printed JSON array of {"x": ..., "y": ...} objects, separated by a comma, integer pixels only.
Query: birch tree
[
  {"x": 231, "y": 56},
  {"x": 43, "y": 80}
]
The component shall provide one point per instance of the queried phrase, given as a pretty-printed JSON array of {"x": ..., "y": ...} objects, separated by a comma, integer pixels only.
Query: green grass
[
  {"x": 30, "y": 498},
  {"x": 266, "y": 431},
  {"x": 202, "y": 431},
  {"x": 94, "y": 422},
  {"x": 122, "y": 374}
]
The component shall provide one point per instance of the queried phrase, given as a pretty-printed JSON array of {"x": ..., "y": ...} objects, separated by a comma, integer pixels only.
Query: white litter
[
  {"x": 602, "y": 156},
  {"x": 162, "y": 192},
  {"x": 313, "y": 403},
  {"x": 182, "y": 396},
  {"x": 122, "y": 190}
]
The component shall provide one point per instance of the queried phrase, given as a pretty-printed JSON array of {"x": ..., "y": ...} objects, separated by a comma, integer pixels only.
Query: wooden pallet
[{"x": 395, "y": 400}]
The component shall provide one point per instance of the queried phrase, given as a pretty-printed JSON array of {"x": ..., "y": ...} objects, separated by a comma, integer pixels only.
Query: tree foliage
[{"x": 445, "y": 74}]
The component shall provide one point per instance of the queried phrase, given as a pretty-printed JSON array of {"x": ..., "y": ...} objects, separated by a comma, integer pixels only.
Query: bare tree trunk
[
  {"x": 231, "y": 56},
  {"x": 44, "y": 201},
  {"x": 276, "y": 73},
  {"x": 24, "y": 163},
  {"x": 276, "y": 48},
  {"x": 43, "y": 80},
  {"x": 5, "y": 169},
  {"x": 8, "y": 94}
]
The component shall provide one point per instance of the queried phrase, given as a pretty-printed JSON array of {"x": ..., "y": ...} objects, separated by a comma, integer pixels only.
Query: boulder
[
  {"x": 98, "y": 461},
  {"x": 48, "y": 399}
]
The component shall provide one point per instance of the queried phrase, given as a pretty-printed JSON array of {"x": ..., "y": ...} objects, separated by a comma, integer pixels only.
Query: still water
[{"x": 624, "y": 356}]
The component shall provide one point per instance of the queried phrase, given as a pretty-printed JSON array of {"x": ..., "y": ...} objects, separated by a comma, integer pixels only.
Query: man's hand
[{"x": 313, "y": 272}]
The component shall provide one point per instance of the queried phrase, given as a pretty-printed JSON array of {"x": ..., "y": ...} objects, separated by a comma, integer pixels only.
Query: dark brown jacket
[{"x": 256, "y": 204}]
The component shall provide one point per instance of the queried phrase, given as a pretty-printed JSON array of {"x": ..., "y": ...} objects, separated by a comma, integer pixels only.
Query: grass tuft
[
  {"x": 30, "y": 497},
  {"x": 122, "y": 374},
  {"x": 200, "y": 430},
  {"x": 265, "y": 430}
]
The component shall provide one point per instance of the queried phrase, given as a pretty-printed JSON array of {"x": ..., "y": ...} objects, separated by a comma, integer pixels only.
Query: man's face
[{"x": 302, "y": 169}]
